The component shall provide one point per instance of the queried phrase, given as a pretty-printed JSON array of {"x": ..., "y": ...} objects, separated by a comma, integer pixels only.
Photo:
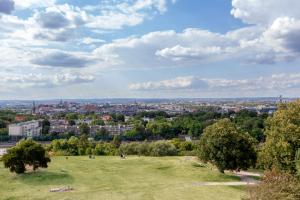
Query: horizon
[{"x": 150, "y": 98}]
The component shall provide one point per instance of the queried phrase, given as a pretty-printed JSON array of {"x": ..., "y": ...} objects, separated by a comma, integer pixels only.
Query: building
[
  {"x": 25, "y": 129},
  {"x": 2, "y": 151},
  {"x": 106, "y": 118},
  {"x": 111, "y": 129},
  {"x": 20, "y": 118}
]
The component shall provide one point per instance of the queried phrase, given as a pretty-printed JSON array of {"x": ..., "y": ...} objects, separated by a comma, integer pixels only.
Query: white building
[
  {"x": 2, "y": 152},
  {"x": 25, "y": 129}
]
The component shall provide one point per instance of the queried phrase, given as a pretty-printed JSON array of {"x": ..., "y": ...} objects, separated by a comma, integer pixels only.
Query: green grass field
[{"x": 144, "y": 178}]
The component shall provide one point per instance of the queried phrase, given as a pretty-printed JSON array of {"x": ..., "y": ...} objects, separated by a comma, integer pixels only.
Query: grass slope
[{"x": 144, "y": 178}]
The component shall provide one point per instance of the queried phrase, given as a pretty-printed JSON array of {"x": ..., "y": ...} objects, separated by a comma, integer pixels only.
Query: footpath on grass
[{"x": 246, "y": 179}]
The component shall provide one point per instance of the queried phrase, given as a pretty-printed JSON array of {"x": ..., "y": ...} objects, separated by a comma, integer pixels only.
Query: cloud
[
  {"x": 279, "y": 82},
  {"x": 60, "y": 16},
  {"x": 7, "y": 6},
  {"x": 40, "y": 80},
  {"x": 61, "y": 59},
  {"x": 179, "y": 53},
  {"x": 32, "y": 4},
  {"x": 172, "y": 84},
  {"x": 273, "y": 38},
  {"x": 264, "y": 12},
  {"x": 284, "y": 33},
  {"x": 63, "y": 22},
  {"x": 57, "y": 23},
  {"x": 52, "y": 20},
  {"x": 167, "y": 49},
  {"x": 89, "y": 40},
  {"x": 56, "y": 36},
  {"x": 263, "y": 43},
  {"x": 119, "y": 14}
]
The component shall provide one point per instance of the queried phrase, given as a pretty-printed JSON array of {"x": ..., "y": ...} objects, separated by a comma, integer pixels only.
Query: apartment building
[{"x": 25, "y": 129}]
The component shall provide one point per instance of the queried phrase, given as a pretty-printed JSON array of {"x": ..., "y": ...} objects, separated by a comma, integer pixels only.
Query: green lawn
[{"x": 144, "y": 178}]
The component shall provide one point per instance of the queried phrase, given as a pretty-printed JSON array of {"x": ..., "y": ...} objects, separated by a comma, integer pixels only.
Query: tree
[
  {"x": 161, "y": 128},
  {"x": 84, "y": 129},
  {"x": 116, "y": 141},
  {"x": 26, "y": 152},
  {"x": 283, "y": 138},
  {"x": 118, "y": 117},
  {"x": 98, "y": 122},
  {"x": 102, "y": 134},
  {"x": 222, "y": 145},
  {"x": 298, "y": 162},
  {"x": 71, "y": 122},
  {"x": 2, "y": 124},
  {"x": 251, "y": 122},
  {"x": 45, "y": 127},
  {"x": 72, "y": 116},
  {"x": 137, "y": 133}
]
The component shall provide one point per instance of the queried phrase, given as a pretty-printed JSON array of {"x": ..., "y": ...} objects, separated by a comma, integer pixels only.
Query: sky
[{"x": 66, "y": 49}]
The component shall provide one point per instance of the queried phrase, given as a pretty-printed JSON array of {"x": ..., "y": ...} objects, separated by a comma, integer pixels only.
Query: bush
[
  {"x": 61, "y": 153},
  {"x": 186, "y": 146},
  {"x": 130, "y": 148},
  {"x": 89, "y": 151},
  {"x": 162, "y": 149},
  {"x": 81, "y": 151},
  {"x": 144, "y": 149},
  {"x": 75, "y": 146},
  {"x": 104, "y": 149},
  {"x": 275, "y": 185}
]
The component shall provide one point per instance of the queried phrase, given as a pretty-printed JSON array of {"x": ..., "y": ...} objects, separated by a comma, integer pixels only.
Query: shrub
[
  {"x": 275, "y": 185},
  {"x": 162, "y": 149},
  {"x": 81, "y": 151},
  {"x": 103, "y": 149},
  {"x": 144, "y": 149},
  {"x": 186, "y": 146},
  {"x": 130, "y": 148},
  {"x": 88, "y": 151}
]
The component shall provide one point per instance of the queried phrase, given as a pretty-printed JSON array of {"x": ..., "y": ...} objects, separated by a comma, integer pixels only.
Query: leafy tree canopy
[
  {"x": 283, "y": 138},
  {"x": 225, "y": 147},
  {"x": 25, "y": 153}
]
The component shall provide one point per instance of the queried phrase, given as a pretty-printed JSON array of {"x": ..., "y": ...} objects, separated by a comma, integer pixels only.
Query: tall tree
[
  {"x": 283, "y": 138},
  {"x": 84, "y": 129},
  {"x": 45, "y": 127}
]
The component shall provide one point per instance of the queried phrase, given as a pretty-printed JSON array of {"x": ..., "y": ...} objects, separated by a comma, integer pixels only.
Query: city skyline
[{"x": 63, "y": 49}]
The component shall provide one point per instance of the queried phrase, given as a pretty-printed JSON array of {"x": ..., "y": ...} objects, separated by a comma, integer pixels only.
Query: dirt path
[
  {"x": 237, "y": 183},
  {"x": 246, "y": 179}
]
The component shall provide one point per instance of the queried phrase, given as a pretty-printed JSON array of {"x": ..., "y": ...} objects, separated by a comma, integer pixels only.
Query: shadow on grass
[
  {"x": 46, "y": 178},
  {"x": 198, "y": 165},
  {"x": 239, "y": 187},
  {"x": 164, "y": 167}
]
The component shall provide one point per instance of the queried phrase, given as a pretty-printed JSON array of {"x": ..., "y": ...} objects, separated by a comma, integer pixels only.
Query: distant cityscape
[{"x": 104, "y": 108}]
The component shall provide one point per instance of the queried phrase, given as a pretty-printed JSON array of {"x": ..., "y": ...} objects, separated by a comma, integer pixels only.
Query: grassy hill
[{"x": 111, "y": 178}]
